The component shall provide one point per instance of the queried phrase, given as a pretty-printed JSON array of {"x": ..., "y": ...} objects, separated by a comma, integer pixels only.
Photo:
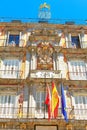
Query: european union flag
[{"x": 63, "y": 104}]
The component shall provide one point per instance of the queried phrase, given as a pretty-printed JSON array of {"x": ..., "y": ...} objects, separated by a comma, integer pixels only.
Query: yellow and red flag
[
  {"x": 48, "y": 101},
  {"x": 55, "y": 101}
]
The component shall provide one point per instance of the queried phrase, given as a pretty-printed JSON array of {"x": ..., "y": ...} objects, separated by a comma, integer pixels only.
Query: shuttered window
[
  {"x": 80, "y": 107},
  {"x": 77, "y": 70},
  {"x": 7, "y": 105},
  {"x": 10, "y": 68}
]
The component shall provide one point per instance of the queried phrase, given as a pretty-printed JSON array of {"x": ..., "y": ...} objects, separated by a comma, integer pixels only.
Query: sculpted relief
[{"x": 45, "y": 56}]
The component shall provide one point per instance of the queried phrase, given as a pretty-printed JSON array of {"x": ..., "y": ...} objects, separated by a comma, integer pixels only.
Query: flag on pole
[
  {"x": 55, "y": 101},
  {"x": 48, "y": 101},
  {"x": 63, "y": 103}
]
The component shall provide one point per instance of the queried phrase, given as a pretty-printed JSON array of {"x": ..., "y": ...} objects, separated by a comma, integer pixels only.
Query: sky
[{"x": 60, "y": 9}]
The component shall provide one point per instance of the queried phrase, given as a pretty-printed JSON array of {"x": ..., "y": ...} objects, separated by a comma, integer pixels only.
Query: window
[
  {"x": 7, "y": 105},
  {"x": 81, "y": 100},
  {"x": 77, "y": 70},
  {"x": 80, "y": 107},
  {"x": 40, "y": 101},
  {"x": 11, "y": 68},
  {"x": 13, "y": 40},
  {"x": 75, "y": 41}
]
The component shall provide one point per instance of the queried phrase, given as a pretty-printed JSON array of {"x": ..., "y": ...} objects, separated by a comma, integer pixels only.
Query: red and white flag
[{"x": 48, "y": 101}]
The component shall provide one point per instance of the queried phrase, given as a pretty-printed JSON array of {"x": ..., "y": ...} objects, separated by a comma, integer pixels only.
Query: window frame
[
  {"x": 80, "y": 108},
  {"x": 13, "y": 33},
  {"x": 7, "y": 107},
  {"x": 40, "y": 109},
  {"x": 11, "y": 63},
  {"x": 77, "y": 70}
]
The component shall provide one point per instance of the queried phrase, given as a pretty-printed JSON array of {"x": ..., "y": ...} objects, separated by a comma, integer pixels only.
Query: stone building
[{"x": 31, "y": 56}]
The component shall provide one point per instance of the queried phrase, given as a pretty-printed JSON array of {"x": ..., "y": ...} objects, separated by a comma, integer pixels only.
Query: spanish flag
[{"x": 55, "y": 101}]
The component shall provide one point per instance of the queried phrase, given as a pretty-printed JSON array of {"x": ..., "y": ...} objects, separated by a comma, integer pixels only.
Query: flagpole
[
  {"x": 60, "y": 85},
  {"x": 44, "y": 92},
  {"x": 61, "y": 78}
]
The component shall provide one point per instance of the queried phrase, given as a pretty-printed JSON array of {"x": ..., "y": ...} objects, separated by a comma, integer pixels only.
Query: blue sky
[{"x": 60, "y": 9}]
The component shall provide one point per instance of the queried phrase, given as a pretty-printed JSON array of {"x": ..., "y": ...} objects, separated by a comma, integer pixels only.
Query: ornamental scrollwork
[{"x": 45, "y": 56}]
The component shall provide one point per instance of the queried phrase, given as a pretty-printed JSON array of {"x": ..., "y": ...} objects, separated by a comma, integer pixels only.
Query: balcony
[
  {"x": 12, "y": 74},
  {"x": 82, "y": 44},
  {"x": 6, "y": 43},
  {"x": 45, "y": 74},
  {"x": 78, "y": 75},
  {"x": 34, "y": 113},
  {"x": 70, "y": 44}
]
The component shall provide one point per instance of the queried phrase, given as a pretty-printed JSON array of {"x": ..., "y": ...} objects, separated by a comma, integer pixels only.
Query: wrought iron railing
[
  {"x": 11, "y": 74},
  {"x": 6, "y": 43},
  {"x": 32, "y": 112},
  {"x": 78, "y": 75},
  {"x": 22, "y": 43},
  {"x": 82, "y": 44}
]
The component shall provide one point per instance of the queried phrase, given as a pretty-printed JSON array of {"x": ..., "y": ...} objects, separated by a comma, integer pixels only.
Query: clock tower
[{"x": 44, "y": 13}]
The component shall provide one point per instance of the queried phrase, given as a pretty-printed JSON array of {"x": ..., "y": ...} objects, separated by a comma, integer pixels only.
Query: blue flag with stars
[{"x": 63, "y": 104}]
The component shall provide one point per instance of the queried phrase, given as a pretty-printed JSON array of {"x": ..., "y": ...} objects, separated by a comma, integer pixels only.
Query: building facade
[{"x": 31, "y": 56}]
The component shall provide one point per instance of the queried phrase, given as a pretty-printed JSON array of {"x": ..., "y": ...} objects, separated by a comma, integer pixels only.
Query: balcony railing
[
  {"x": 82, "y": 44},
  {"x": 4, "y": 42},
  {"x": 32, "y": 112},
  {"x": 12, "y": 74},
  {"x": 78, "y": 75}
]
